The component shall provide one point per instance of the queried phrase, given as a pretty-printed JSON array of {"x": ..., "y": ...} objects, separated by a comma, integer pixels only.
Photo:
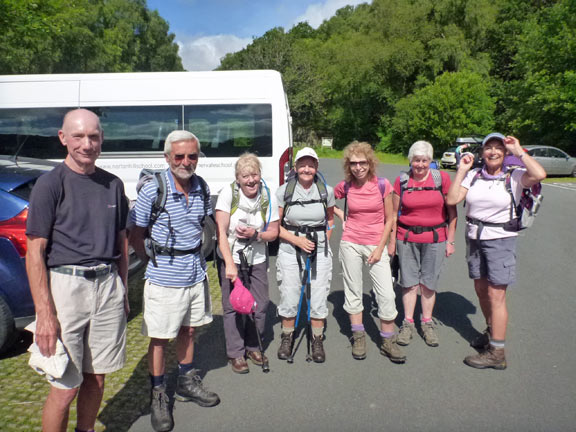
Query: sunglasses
[
  {"x": 180, "y": 157},
  {"x": 359, "y": 163}
]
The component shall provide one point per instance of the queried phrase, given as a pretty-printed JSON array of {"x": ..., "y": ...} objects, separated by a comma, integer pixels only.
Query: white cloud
[
  {"x": 204, "y": 53},
  {"x": 318, "y": 12}
]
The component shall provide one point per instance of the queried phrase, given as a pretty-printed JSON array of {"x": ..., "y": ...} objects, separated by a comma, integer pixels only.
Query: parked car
[
  {"x": 553, "y": 160},
  {"x": 17, "y": 177},
  {"x": 473, "y": 145}
]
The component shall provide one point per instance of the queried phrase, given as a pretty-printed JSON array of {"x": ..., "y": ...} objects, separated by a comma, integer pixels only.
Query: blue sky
[{"x": 206, "y": 30}]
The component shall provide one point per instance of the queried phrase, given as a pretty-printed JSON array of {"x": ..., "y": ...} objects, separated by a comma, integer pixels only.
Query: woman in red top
[{"x": 425, "y": 236}]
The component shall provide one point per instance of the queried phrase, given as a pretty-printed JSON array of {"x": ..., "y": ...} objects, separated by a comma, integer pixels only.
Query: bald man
[{"x": 77, "y": 265}]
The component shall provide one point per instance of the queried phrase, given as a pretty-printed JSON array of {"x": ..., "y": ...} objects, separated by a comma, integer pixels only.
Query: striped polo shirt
[{"x": 179, "y": 227}]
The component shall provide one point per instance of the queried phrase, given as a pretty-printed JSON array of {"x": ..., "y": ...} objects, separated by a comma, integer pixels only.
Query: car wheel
[
  {"x": 7, "y": 329},
  {"x": 574, "y": 171}
]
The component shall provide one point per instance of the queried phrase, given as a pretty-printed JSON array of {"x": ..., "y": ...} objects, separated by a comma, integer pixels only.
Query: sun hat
[
  {"x": 492, "y": 136},
  {"x": 306, "y": 151},
  {"x": 241, "y": 299}
]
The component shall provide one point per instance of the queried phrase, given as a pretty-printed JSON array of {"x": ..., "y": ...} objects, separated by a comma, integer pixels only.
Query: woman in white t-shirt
[
  {"x": 490, "y": 236},
  {"x": 247, "y": 218}
]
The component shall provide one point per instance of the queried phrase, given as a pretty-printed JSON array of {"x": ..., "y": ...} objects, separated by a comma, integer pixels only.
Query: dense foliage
[
  {"x": 394, "y": 71},
  {"x": 59, "y": 36}
]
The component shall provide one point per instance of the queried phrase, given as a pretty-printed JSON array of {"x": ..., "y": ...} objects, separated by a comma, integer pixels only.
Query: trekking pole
[
  {"x": 290, "y": 359},
  {"x": 308, "y": 322},
  {"x": 245, "y": 276}
]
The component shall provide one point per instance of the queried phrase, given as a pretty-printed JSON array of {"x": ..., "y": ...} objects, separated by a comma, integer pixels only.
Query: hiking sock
[
  {"x": 425, "y": 320},
  {"x": 410, "y": 320},
  {"x": 184, "y": 368},
  {"x": 317, "y": 331},
  {"x": 497, "y": 343},
  {"x": 287, "y": 330},
  {"x": 387, "y": 335},
  {"x": 156, "y": 380},
  {"x": 357, "y": 327}
]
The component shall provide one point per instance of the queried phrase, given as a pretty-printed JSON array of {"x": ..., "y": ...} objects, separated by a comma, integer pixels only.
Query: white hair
[
  {"x": 421, "y": 148},
  {"x": 177, "y": 136}
]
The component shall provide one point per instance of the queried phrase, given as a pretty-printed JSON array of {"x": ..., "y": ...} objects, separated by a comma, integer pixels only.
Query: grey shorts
[
  {"x": 420, "y": 263},
  {"x": 494, "y": 260}
]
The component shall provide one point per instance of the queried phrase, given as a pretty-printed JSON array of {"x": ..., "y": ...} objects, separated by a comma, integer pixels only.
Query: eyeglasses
[
  {"x": 361, "y": 164},
  {"x": 180, "y": 157}
]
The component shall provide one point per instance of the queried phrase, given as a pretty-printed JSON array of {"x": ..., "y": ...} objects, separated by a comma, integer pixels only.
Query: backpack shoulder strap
[
  {"x": 159, "y": 204},
  {"x": 235, "y": 198},
  {"x": 205, "y": 194},
  {"x": 382, "y": 183},
  {"x": 477, "y": 175},
  {"x": 437, "y": 177},
  {"x": 265, "y": 204}
]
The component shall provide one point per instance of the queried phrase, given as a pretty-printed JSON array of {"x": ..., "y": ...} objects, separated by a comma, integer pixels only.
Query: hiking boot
[
  {"x": 482, "y": 341},
  {"x": 285, "y": 346},
  {"x": 256, "y": 357},
  {"x": 429, "y": 333},
  {"x": 492, "y": 358},
  {"x": 406, "y": 333},
  {"x": 160, "y": 413},
  {"x": 390, "y": 349},
  {"x": 359, "y": 345},
  {"x": 189, "y": 388},
  {"x": 318, "y": 354},
  {"x": 239, "y": 365}
]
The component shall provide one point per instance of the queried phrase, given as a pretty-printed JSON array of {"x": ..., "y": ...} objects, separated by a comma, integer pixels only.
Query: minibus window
[
  {"x": 230, "y": 130},
  {"x": 32, "y": 132}
]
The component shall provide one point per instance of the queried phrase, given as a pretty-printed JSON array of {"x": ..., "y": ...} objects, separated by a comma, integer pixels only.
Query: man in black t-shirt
[{"x": 77, "y": 264}]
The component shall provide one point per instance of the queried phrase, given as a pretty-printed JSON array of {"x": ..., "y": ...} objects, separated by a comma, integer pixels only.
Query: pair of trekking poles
[
  {"x": 305, "y": 291},
  {"x": 245, "y": 278}
]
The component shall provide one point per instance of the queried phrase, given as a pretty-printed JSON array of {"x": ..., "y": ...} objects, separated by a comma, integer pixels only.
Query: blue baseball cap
[{"x": 493, "y": 135}]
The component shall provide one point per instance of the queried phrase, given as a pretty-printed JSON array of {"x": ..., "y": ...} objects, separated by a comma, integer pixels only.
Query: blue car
[{"x": 17, "y": 176}]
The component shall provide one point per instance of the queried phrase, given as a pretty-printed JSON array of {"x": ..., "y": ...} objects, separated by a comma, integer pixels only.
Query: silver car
[{"x": 553, "y": 160}]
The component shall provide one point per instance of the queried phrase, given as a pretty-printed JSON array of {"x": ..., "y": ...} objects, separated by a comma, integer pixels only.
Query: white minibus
[{"x": 231, "y": 112}]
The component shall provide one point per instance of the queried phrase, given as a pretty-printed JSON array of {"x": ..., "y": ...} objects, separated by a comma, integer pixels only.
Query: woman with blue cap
[{"x": 491, "y": 235}]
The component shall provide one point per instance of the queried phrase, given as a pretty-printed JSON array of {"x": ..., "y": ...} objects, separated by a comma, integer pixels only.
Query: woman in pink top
[
  {"x": 368, "y": 224},
  {"x": 425, "y": 236}
]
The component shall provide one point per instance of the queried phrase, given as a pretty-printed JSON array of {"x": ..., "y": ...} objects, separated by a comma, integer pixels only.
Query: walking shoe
[
  {"x": 285, "y": 346},
  {"x": 359, "y": 345},
  {"x": 406, "y": 333},
  {"x": 429, "y": 333},
  {"x": 318, "y": 354},
  {"x": 189, "y": 388},
  {"x": 390, "y": 349},
  {"x": 256, "y": 357},
  {"x": 239, "y": 365},
  {"x": 160, "y": 413},
  {"x": 492, "y": 358},
  {"x": 482, "y": 341}
]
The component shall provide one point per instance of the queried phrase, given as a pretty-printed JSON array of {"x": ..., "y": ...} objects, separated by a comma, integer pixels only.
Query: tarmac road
[{"x": 434, "y": 390}]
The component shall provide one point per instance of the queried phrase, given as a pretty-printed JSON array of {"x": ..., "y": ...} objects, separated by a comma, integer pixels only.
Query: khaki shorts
[
  {"x": 92, "y": 323},
  {"x": 166, "y": 309}
]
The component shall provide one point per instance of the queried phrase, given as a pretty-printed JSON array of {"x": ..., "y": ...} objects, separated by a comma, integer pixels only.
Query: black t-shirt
[{"x": 80, "y": 216}]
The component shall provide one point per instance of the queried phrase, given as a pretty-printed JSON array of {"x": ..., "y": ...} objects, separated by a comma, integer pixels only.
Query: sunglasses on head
[{"x": 180, "y": 157}]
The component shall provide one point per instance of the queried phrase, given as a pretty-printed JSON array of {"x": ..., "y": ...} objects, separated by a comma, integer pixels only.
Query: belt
[
  {"x": 305, "y": 229},
  {"x": 85, "y": 273},
  {"x": 161, "y": 250}
]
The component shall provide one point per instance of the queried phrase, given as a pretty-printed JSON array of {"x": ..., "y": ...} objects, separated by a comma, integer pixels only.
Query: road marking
[{"x": 567, "y": 186}]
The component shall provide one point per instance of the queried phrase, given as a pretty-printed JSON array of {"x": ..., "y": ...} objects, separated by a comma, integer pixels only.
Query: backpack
[
  {"x": 159, "y": 206},
  {"x": 437, "y": 177},
  {"x": 381, "y": 185},
  {"x": 523, "y": 212},
  {"x": 291, "y": 182},
  {"x": 265, "y": 208}
]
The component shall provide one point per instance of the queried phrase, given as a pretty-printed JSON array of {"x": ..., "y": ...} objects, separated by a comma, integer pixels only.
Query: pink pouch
[{"x": 241, "y": 299}]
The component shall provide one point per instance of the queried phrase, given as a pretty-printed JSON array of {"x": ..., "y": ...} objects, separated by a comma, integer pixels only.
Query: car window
[
  {"x": 555, "y": 153},
  {"x": 539, "y": 152}
]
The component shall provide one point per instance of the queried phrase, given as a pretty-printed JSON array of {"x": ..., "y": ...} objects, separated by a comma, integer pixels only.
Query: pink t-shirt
[
  {"x": 365, "y": 221},
  {"x": 423, "y": 208}
]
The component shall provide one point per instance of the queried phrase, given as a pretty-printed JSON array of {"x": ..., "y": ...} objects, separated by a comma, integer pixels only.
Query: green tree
[{"x": 456, "y": 104}]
